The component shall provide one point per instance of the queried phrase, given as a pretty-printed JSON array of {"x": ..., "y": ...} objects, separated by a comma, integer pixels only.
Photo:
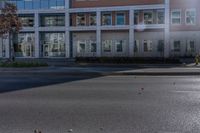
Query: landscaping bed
[
  {"x": 22, "y": 64},
  {"x": 127, "y": 60}
]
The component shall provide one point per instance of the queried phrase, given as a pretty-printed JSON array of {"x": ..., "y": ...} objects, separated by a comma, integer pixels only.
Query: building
[{"x": 106, "y": 28}]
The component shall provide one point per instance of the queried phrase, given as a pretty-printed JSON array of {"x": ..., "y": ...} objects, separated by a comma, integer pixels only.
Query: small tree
[{"x": 10, "y": 24}]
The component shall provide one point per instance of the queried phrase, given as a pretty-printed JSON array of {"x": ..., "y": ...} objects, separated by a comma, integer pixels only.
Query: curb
[{"x": 101, "y": 73}]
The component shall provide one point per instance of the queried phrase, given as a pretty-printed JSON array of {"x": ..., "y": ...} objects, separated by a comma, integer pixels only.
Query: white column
[
  {"x": 1, "y": 48},
  {"x": 67, "y": 35},
  {"x": 131, "y": 33},
  {"x": 167, "y": 29},
  {"x": 37, "y": 36},
  {"x": 7, "y": 47},
  {"x": 98, "y": 33}
]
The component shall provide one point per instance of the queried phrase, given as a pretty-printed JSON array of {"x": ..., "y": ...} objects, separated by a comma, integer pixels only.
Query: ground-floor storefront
[{"x": 112, "y": 44}]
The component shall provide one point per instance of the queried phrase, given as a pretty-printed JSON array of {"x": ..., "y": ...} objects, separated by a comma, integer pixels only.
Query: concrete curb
[{"x": 101, "y": 73}]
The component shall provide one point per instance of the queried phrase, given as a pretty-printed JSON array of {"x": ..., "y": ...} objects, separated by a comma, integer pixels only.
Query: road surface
[{"x": 112, "y": 104}]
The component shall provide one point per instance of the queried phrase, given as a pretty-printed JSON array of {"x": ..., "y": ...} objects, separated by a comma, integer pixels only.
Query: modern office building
[{"x": 106, "y": 28}]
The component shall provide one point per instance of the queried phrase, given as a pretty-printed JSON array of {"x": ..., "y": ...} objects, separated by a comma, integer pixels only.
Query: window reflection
[
  {"x": 53, "y": 44},
  {"x": 57, "y": 20},
  {"x": 39, "y": 4},
  {"x": 24, "y": 45}
]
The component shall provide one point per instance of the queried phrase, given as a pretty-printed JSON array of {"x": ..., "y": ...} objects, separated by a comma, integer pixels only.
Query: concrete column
[
  {"x": 7, "y": 54},
  {"x": 37, "y": 36},
  {"x": 67, "y": 35},
  {"x": 98, "y": 33},
  {"x": 1, "y": 48},
  {"x": 167, "y": 29},
  {"x": 131, "y": 33}
]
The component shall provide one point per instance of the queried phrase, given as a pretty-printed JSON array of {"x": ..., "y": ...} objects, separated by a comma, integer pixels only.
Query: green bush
[{"x": 22, "y": 64}]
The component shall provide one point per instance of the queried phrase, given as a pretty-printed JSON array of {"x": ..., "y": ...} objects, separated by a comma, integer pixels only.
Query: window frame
[
  {"x": 111, "y": 22},
  {"x": 148, "y": 11},
  {"x": 195, "y": 17},
  {"x": 176, "y": 10},
  {"x": 84, "y": 19},
  {"x": 116, "y": 19}
]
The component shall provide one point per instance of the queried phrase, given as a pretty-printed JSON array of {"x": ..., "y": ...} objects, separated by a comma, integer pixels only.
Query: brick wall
[{"x": 106, "y": 3}]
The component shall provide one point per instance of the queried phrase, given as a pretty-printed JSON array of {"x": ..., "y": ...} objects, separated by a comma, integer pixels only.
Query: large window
[
  {"x": 39, "y": 4},
  {"x": 106, "y": 18},
  {"x": 148, "y": 17},
  {"x": 136, "y": 46},
  {"x": 53, "y": 44},
  {"x": 24, "y": 45},
  {"x": 58, "y": 20},
  {"x": 27, "y": 21},
  {"x": 80, "y": 19},
  {"x": 190, "y": 17},
  {"x": 190, "y": 46},
  {"x": 93, "y": 46},
  {"x": 136, "y": 18},
  {"x": 81, "y": 46},
  {"x": 28, "y": 4},
  {"x": 160, "y": 47},
  {"x": 176, "y": 47},
  {"x": 86, "y": 46},
  {"x": 148, "y": 45},
  {"x": 92, "y": 19},
  {"x": 107, "y": 45},
  {"x": 120, "y": 18},
  {"x": 160, "y": 17},
  {"x": 119, "y": 44},
  {"x": 176, "y": 17}
]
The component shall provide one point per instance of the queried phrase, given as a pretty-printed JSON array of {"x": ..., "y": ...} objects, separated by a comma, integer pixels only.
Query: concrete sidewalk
[{"x": 108, "y": 70}]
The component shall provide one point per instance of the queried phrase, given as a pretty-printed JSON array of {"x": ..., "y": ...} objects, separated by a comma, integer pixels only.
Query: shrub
[{"x": 22, "y": 64}]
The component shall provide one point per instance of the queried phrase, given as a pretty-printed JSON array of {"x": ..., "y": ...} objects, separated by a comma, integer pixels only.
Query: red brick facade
[{"x": 106, "y": 3}]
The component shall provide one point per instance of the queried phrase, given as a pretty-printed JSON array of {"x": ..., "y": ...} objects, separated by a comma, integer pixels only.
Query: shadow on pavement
[{"x": 20, "y": 81}]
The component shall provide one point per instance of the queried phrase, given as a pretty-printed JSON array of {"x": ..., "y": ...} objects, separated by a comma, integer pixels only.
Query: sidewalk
[{"x": 103, "y": 70}]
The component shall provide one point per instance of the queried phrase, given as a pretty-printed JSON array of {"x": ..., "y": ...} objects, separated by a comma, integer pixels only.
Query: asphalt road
[{"x": 113, "y": 104}]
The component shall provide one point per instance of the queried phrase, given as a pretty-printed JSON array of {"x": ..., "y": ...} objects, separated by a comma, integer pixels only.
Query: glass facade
[
  {"x": 27, "y": 21},
  {"x": 39, "y": 4},
  {"x": 106, "y": 18},
  {"x": 24, "y": 45},
  {"x": 52, "y": 44},
  {"x": 80, "y": 19},
  {"x": 56, "y": 20},
  {"x": 120, "y": 18}
]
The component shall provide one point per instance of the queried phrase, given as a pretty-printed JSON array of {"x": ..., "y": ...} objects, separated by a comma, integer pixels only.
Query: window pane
[
  {"x": 161, "y": 17},
  {"x": 177, "y": 46},
  {"x": 52, "y": 4},
  {"x": 120, "y": 19},
  {"x": 27, "y": 21},
  {"x": 53, "y": 44},
  {"x": 36, "y": 4},
  {"x": 60, "y": 4},
  {"x": 136, "y": 46},
  {"x": 80, "y": 20},
  {"x": 107, "y": 45},
  {"x": 93, "y": 47},
  {"x": 148, "y": 17},
  {"x": 106, "y": 19},
  {"x": 20, "y": 4},
  {"x": 24, "y": 45},
  {"x": 92, "y": 19},
  {"x": 28, "y": 4},
  {"x": 160, "y": 46},
  {"x": 44, "y": 4}
]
